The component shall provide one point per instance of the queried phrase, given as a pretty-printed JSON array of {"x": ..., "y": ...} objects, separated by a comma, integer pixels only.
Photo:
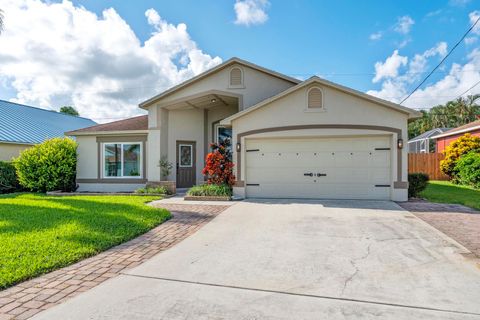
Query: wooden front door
[{"x": 186, "y": 159}]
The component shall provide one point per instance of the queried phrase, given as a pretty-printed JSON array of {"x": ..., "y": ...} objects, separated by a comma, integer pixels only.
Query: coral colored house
[{"x": 444, "y": 139}]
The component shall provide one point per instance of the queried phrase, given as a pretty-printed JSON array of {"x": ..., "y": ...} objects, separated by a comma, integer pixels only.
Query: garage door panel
[{"x": 342, "y": 168}]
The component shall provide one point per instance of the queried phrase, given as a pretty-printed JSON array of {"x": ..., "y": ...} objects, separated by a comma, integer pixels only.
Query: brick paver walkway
[
  {"x": 30, "y": 297},
  {"x": 456, "y": 221}
]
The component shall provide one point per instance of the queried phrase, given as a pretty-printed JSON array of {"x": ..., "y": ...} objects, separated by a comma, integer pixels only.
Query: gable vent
[
  {"x": 315, "y": 98},
  {"x": 236, "y": 77}
]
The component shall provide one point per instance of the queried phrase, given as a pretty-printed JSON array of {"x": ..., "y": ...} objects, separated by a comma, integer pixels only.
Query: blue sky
[
  {"x": 339, "y": 40},
  {"x": 303, "y": 38}
]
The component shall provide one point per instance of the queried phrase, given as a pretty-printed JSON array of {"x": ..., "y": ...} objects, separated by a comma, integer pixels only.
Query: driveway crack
[{"x": 354, "y": 264}]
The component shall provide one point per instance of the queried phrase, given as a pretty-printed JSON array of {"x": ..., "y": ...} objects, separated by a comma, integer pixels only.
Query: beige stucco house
[{"x": 290, "y": 138}]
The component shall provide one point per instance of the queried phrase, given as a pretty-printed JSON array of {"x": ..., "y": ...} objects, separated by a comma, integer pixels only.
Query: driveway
[{"x": 295, "y": 260}]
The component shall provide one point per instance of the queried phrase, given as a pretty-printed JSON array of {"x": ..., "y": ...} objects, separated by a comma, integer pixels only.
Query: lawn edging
[
  {"x": 67, "y": 194},
  {"x": 207, "y": 198}
]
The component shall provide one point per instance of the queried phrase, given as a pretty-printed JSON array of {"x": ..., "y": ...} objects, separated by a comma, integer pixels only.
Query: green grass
[
  {"x": 40, "y": 233},
  {"x": 210, "y": 190},
  {"x": 447, "y": 192}
]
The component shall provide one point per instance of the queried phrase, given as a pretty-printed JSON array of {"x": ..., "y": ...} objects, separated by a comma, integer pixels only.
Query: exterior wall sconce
[
  {"x": 400, "y": 143},
  {"x": 238, "y": 147}
]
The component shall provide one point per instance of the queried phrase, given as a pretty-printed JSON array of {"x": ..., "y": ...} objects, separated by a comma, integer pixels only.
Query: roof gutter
[
  {"x": 447, "y": 134},
  {"x": 102, "y": 133}
]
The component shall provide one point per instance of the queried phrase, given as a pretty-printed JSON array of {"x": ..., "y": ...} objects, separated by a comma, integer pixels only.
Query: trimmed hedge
[
  {"x": 8, "y": 178},
  {"x": 468, "y": 168},
  {"x": 417, "y": 182},
  {"x": 48, "y": 166}
]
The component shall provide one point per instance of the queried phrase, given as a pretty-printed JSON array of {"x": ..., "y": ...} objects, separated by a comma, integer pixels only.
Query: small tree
[
  {"x": 69, "y": 110},
  {"x": 455, "y": 150},
  {"x": 48, "y": 166},
  {"x": 165, "y": 167},
  {"x": 219, "y": 165}
]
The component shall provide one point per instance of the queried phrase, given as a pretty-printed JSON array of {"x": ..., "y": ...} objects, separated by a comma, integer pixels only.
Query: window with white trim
[
  {"x": 122, "y": 160},
  {"x": 315, "y": 98}
]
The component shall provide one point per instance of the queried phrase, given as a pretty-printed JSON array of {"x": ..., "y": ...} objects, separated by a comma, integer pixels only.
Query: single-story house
[
  {"x": 421, "y": 143},
  {"x": 444, "y": 139},
  {"x": 22, "y": 126},
  {"x": 290, "y": 138}
]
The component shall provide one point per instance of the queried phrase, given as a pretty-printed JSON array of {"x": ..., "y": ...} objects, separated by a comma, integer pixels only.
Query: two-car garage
[{"x": 356, "y": 167}]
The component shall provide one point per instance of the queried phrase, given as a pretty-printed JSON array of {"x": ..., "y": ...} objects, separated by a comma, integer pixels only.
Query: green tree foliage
[
  {"x": 48, "y": 166},
  {"x": 468, "y": 168},
  {"x": 455, "y": 151},
  {"x": 69, "y": 110},
  {"x": 450, "y": 115}
]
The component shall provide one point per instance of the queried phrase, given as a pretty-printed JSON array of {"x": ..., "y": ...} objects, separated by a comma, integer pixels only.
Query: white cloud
[
  {"x": 251, "y": 12},
  {"x": 470, "y": 40},
  {"x": 419, "y": 62},
  {"x": 474, "y": 15},
  {"x": 389, "y": 68},
  {"x": 404, "y": 25},
  {"x": 457, "y": 80},
  {"x": 69, "y": 55},
  {"x": 376, "y": 36}
]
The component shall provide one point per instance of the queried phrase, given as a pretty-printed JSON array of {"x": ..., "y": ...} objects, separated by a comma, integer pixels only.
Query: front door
[{"x": 186, "y": 164}]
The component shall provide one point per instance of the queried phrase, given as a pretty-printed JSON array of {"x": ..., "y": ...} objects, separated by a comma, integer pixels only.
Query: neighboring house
[
  {"x": 291, "y": 138},
  {"x": 22, "y": 126},
  {"x": 421, "y": 143},
  {"x": 444, "y": 139}
]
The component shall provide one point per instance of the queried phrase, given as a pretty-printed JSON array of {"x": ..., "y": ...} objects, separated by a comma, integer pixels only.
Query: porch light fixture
[
  {"x": 213, "y": 100},
  {"x": 238, "y": 147},
  {"x": 400, "y": 143}
]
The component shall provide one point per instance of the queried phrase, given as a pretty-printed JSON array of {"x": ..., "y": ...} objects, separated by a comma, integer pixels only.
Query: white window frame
[
  {"x": 121, "y": 161},
  {"x": 180, "y": 155},
  {"x": 307, "y": 108}
]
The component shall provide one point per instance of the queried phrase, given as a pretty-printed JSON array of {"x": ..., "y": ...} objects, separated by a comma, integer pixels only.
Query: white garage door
[{"x": 326, "y": 168}]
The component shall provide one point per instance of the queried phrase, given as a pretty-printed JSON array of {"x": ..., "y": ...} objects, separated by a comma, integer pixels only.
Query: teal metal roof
[{"x": 24, "y": 124}]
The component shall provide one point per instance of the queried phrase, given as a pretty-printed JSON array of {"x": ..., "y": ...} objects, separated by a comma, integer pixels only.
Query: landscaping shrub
[
  {"x": 468, "y": 168},
  {"x": 48, "y": 166},
  {"x": 210, "y": 190},
  {"x": 454, "y": 151},
  {"x": 417, "y": 182},
  {"x": 152, "y": 190},
  {"x": 219, "y": 165},
  {"x": 8, "y": 178}
]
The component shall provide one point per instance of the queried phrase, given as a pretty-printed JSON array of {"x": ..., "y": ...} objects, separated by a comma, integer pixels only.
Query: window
[
  {"x": 222, "y": 133},
  {"x": 122, "y": 160},
  {"x": 315, "y": 98},
  {"x": 236, "y": 78},
  {"x": 186, "y": 155}
]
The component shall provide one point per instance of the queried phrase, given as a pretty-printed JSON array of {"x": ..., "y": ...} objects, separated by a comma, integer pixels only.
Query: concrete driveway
[{"x": 296, "y": 260}]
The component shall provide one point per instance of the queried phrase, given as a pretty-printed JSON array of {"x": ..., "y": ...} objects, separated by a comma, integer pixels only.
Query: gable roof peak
[{"x": 215, "y": 69}]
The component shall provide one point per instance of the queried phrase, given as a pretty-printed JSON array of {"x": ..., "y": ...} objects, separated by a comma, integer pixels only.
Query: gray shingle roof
[
  {"x": 25, "y": 124},
  {"x": 429, "y": 133}
]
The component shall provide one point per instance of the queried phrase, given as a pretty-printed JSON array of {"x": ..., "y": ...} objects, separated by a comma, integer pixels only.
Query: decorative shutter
[
  {"x": 236, "y": 77},
  {"x": 315, "y": 98}
]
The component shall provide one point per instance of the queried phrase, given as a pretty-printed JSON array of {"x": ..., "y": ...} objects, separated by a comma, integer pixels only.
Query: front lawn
[
  {"x": 41, "y": 233},
  {"x": 447, "y": 192}
]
